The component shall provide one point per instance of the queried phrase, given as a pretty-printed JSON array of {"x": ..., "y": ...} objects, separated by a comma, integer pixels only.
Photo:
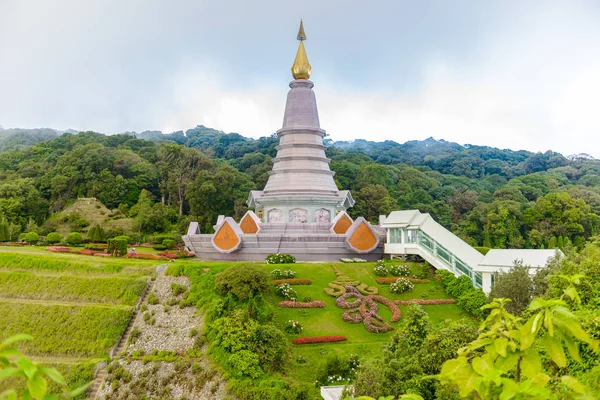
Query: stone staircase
[{"x": 121, "y": 343}]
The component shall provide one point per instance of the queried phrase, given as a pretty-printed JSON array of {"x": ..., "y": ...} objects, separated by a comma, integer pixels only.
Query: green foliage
[
  {"x": 83, "y": 331},
  {"x": 416, "y": 326},
  {"x": 37, "y": 377},
  {"x": 482, "y": 250},
  {"x": 74, "y": 238},
  {"x": 96, "y": 234},
  {"x": 168, "y": 243},
  {"x": 4, "y": 231},
  {"x": 32, "y": 237},
  {"x": 159, "y": 247},
  {"x": 117, "y": 247},
  {"x": 53, "y": 238},
  {"x": 504, "y": 362},
  {"x": 467, "y": 297},
  {"x": 517, "y": 285},
  {"x": 243, "y": 281},
  {"x": 335, "y": 370}
]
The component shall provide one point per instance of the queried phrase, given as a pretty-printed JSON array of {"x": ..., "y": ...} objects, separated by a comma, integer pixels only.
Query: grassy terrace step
[
  {"x": 68, "y": 288},
  {"x": 64, "y": 330}
]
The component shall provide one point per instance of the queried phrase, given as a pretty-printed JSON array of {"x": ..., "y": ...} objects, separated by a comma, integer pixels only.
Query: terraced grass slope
[{"x": 76, "y": 307}]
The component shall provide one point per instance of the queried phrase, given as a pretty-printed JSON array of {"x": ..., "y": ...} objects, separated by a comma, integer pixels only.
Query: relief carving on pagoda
[
  {"x": 298, "y": 215},
  {"x": 322, "y": 216},
  {"x": 275, "y": 215}
]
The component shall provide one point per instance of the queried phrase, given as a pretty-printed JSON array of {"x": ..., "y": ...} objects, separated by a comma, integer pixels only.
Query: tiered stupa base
[{"x": 306, "y": 242}]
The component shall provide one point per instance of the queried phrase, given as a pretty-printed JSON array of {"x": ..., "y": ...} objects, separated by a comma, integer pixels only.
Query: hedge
[{"x": 319, "y": 339}]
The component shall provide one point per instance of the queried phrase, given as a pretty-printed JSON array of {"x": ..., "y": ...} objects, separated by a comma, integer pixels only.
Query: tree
[
  {"x": 96, "y": 234},
  {"x": 503, "y": 363},
  {"x": 517, "y": 285},
  {"x": 244, "y": 281},
  {"x": 4, "y": 231},
  {"x": 373, "y": 201}
]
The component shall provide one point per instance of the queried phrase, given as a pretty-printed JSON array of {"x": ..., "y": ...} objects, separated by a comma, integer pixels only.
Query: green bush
[
  {"x": 459, "y": 286},
  {"x": 159, "y": 247},
  {"x": 53, "y": 238},
  {"x": 96, "y": 234},
  {"x": 74, "y": 238},
  {"x": 243, "y": 281},
  {"x": 169, "y": 243},
  {"x": 159, "y": 239},
  {"x": 117, "y": 247},
  {"x": 32, "y": 237},
  {"x": 126, "y": 238},
  {"x": 471, "y": 301}
]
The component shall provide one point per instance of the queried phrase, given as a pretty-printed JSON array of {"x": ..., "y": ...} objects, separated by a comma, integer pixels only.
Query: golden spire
[{"x": 301, "y": 68}]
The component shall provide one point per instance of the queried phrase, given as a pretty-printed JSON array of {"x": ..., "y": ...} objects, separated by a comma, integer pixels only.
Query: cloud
[{"x": 512, "y": 75}]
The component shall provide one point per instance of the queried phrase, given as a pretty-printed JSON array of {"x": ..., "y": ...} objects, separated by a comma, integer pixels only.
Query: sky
[{"x": 511, "y": 74}]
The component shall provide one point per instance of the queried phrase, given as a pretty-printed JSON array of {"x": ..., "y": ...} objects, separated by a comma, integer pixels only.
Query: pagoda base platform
[{"x": 306, "y": 242}]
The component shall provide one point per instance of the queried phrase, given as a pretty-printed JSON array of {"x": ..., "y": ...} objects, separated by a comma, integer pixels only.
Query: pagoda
[
  {"x": 300, "y": 188},
  {"x": 300, "y": 211}
]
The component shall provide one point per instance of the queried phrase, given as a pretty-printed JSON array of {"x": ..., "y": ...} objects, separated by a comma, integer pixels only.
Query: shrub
[
  {"x": 117, "y": 247},
  {"x": 446, "y": 277},
  {"x": 94, "y": 247},
  {"x": 159, "y": 247},
  {"x": 400, "y": 270},
  {"x": 280, "y": 259},
  {"x": 297, "y": 281},
  {"x": 286, "y": 291},
  {"x": 471, "y": 301},
  {"x": 287, "y": 274},
  {"x": 4, "y": 231},
  {"x": 293, "y": 327},
  {"x": 96, "y": 234},
  {"x": 74, "y": 238},
  {"x": 128, "y": 239},
  {"x": 299, "y": 304},
  {"x": 32, "y": 237},
  {"x": 460, "y": 285},
  {"x": 159, "y": 239},
  {"x": 380, "y": 269},
  {"x": 401, "y": 285},
  {"x": 168, "y": 243},
  {"x": 152, "y": 299},
  {"x": 319, "y": 339},
  {"x": 243, "y": 281},
  {"x": 53, "y": 238}
]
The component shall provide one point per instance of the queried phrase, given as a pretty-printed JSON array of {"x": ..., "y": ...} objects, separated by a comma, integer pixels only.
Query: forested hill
[{"x": 488, "y": 196}]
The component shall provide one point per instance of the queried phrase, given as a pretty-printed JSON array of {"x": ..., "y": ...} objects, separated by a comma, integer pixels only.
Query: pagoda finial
[
  {"x": 301, "y": 33},
  {"x": 301, "y": 68}
]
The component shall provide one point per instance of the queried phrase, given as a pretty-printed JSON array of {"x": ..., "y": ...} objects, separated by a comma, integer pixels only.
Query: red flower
[{"x": 319, "y": 339}]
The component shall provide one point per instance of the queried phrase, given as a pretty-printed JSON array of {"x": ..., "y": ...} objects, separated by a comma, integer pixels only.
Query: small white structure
[
  {"x": 332, "y": 392},
  {"x": 412, "y": 232},
  {"x": 500, "y": 260}
]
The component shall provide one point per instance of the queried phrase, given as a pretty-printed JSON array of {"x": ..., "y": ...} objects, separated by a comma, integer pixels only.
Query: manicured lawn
[{"x": 327, "y": 321}]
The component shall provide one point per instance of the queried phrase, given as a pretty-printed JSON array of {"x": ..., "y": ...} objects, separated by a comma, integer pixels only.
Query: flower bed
[
  {"x": 177, "y": 254},
  {"x": 102, "y": 255},
  {"x": 293, "y": 281},
  {"x": 400, "y": 270},
  {"x": 427, "y": 302},
  {"x": 145, "y": 256},
  {"x": 280, "y": 259},
  {"x": 319, "y": 339},
  {"x": 401, "y": 285},
  {"x": 286, "y": 274},
  {"x": 58, "y": 249},
  {"x": 390, "y": 280},
  {"x": 300, "y": 304},
  {"x": 285, "y": 290}
]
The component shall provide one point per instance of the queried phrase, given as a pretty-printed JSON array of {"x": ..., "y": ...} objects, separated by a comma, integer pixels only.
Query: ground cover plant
[
  {"x": 71, "y": 330},
  {"x": 25, "y": 285}
]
